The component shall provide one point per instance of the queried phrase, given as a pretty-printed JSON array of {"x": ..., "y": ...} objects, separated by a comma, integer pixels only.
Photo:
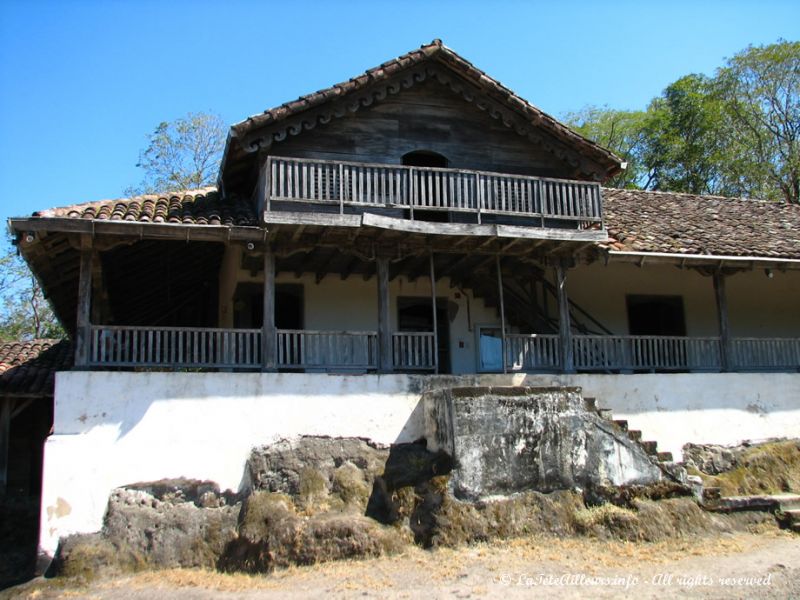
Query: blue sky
[{"x": 82, "y": 82}]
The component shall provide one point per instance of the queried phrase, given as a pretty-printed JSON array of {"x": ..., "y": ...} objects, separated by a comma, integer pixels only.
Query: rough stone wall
[{"x": 510, "y": 439}]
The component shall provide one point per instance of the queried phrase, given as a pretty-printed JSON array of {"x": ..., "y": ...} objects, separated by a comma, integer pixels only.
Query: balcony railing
[
  {"x": 175, "y": 347},
  {"x": 191, "y": 347},
  {"x": 342, "y": 350},
  {"x": 652, "y": 353},
  {"x": 537, "y": 352},
  {"x": 413, "y": 351},
  {"x": 426, "y": 188}
]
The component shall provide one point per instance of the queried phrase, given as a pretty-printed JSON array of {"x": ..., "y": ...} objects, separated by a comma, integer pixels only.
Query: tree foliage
[
  {"x": 620, "y": 131},
  {"x": 182, "y": 154},
  {"x": 736, "y": 133},
  {"x": 759, "y": 89},
  {"x": 24, "y": 312}
]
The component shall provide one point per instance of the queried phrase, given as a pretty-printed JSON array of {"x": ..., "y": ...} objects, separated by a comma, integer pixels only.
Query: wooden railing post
[
  {"x": 341, "y": 189},
  {"x": 269, "y": 333},
  {"x": 435, "y": 356},
  {"x": 502, "y": 311},
  {"x": 722, "y": 319},
  {"x": 83, "y": 323},
  {"x": 564, "y": 326},
  {"x": 385, "y": 362}
]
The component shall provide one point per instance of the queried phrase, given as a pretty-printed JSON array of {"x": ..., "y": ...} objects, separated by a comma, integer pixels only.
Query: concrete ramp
[{"x": 509, "y": 439}]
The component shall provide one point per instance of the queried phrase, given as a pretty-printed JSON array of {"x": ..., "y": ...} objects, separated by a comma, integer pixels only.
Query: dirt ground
[{"x": 733, "y": 566}]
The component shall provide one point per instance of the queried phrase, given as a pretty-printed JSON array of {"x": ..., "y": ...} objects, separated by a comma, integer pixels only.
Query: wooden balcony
[
  {"x": 541, "y": 353},
  {"x": 357, "y": 351},
  {"x": 477, "y": 196}
]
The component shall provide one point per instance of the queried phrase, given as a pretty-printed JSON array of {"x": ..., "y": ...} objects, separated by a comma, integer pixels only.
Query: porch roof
[
  {"x": 636, "y": 220},
  {"x": 204, "y": 206},
  {"x": 688, "y": 224},
  {"x": 27, "y": 369}
]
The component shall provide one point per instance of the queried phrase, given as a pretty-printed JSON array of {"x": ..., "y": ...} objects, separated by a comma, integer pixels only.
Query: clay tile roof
[
  {"x": 641, "y": 221},
  {"x": 29, "y": 368},
  {"x": 203, "y": 206}
]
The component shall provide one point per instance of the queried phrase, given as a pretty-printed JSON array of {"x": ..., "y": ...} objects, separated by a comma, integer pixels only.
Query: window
[
  {"x": 425, "y": 158},
  {"x": 656, "y": 315}
]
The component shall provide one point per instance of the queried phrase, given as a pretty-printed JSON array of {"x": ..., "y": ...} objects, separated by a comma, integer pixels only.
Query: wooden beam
[
  {"x": 5, "y": 432},
  {"x": 722, "y": 319},
  {"x": 435, "y": 323},
  {"x": 349, "y": 268},
  {"x": 298, "y": 233},
  {"x": 502, "y": 310},
  {"x": 384, "y": 329},
  {"x": 564, "y": 327},
  {"x": 83, "y": 323},
  {"x": 269, "y": 333}
]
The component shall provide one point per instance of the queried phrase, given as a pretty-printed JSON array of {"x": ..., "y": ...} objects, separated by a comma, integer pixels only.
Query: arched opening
[{"x": 424, "y": 158}]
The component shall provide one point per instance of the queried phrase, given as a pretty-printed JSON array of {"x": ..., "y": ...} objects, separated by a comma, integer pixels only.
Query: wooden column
[
  {"x": 435, "y": 323},
  {"x": 722, "y": 319},
  {"x": 83, "y": 322},
  {"x": 385, "y": 362},
  {"x": 502, "y": 310},
  {"x": 564, "y": 327},
  {"x": 5, "y": 431},
  {"x": 269, "y": 333}
]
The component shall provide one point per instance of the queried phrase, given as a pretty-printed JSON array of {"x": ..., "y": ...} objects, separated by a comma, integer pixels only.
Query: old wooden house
[{"x": 415, "y": 226}]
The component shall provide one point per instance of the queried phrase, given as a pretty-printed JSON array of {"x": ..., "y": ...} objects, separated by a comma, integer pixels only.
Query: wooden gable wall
[{"x": 428, "y": 116}]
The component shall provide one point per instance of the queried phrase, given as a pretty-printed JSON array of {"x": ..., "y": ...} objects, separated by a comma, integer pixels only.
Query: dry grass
[
  {"x": 764, "y": 469},
  {"x": 447, "y": 564},
  {"x": 438, "y": 568}
]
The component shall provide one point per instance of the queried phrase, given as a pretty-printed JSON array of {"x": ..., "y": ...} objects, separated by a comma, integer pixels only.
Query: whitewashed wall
[
  {"x": 113, "y": 429},
  {"x": 757, "y": 305}
]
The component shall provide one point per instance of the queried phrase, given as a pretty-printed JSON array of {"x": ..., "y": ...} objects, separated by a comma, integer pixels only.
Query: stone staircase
[
  {"x": 785, "y": 507},
  {"x": 651, "y": 447}
]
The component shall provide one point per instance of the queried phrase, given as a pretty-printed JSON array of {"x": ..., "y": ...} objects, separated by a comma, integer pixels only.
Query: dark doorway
[
  {"x": 656, "y": 315},
  {"x": 249, "y": 306},
  {"x": 425, "y": 158},
  {"x": 426, "y": 193},
  {"x": 414, "y": 314}
]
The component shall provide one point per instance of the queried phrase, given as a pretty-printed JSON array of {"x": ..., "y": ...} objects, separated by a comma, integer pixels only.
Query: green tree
[
  {"x": 182, "y": 154},
  {"x": 620, "y": 131},
  {"x": 759, "y": 89},
  {"x": 24, "y": 312},
  {"x": 684, "y": 146}
]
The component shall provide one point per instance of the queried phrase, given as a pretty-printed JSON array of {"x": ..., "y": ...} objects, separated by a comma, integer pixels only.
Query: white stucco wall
[
  {"x": 352, "y": 304},
  {"x": 113, "y": 429},
  {"x": 757, "y": 305}
]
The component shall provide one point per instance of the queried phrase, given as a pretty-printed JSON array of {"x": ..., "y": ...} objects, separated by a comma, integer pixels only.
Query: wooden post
[
  {"x": 722, "y": 319},
  {"x": 83, "y": 323},
  {"x": 385, "y": 362},
  {"x": 502, "y": 311},
  {"x": 564, "y": 327},
  {"x": 435, "y": 323},
  {"x": 269, "y": 333},
  {"x": 5, "y": 431},
  {"x": 341, "y": 189}
]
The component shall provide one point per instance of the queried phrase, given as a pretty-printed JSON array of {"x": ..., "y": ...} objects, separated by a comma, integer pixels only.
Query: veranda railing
[{"x": 428, "y": 188}]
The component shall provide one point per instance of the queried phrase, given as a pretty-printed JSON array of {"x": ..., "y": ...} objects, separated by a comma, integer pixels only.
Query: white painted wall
[
  {"x": 112, "y": 429},
  {"x": 352, "y": 304},
  {"x": 757, "y": 305}
]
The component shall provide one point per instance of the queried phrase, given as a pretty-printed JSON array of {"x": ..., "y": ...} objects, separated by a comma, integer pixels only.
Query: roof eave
[{"x": 713, "y": 260}]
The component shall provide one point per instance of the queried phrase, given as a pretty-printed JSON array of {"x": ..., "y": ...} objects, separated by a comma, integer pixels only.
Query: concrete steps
[
  {"x": 785, "y": 507},
  {"x": 650, "y": 447}
]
